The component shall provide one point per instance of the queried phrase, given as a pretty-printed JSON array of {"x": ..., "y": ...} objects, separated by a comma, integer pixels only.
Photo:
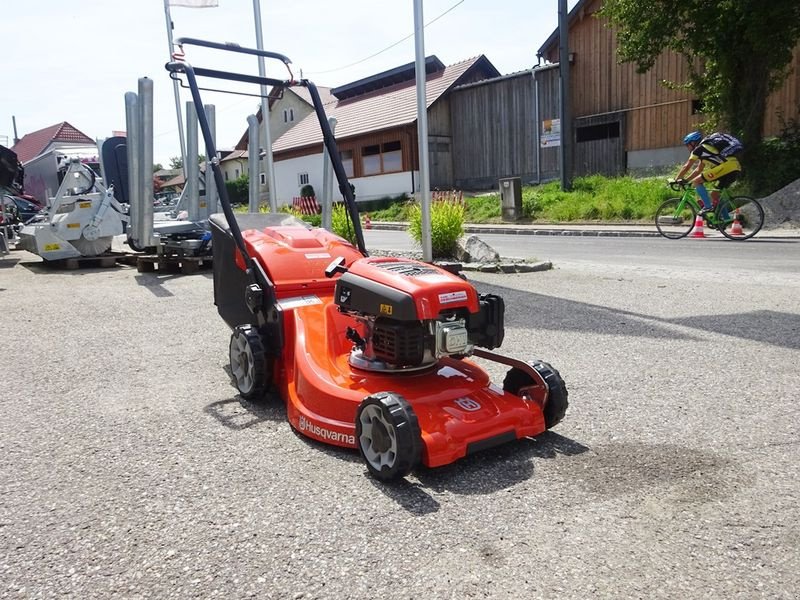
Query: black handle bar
[{"x": 231, "y": 47}]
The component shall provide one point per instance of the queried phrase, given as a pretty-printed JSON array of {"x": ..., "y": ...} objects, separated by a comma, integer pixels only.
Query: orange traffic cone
[
  {"x": 697, "y": 230},
  {"x": 736, "y": 228},
  {"x": 367, "y": 222}
]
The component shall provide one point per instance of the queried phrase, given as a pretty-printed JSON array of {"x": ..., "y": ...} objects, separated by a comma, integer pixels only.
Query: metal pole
[
  {"x": 566, "y": 117},
  {"x": 210, "y": 183},
  {"x": 175, "y": 88},
  {"x": 536, "y": 119},
  {"x": 146, "y": 158},
  {"x": 134, "y": 167},
  {"x": 252, "y": 153},
  {"x": 191, "y": 167},
  {"x": 267, "y": 136},
  {"x": 422, "y": 132},
  {"x": 327, "y": 182}
]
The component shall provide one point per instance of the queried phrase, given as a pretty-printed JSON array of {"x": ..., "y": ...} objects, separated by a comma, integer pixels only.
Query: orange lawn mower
[{"x": 368, "y": 353}]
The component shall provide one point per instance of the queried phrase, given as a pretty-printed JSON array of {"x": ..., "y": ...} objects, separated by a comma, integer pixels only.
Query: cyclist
[{"x": 711, "y": 158}]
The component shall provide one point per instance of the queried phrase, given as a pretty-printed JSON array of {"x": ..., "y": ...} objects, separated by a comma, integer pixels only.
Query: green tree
[
  {"x": 157, "y": 167},
  {"x": 738, "y": 50},
  {"x": 176, "y": 162}
]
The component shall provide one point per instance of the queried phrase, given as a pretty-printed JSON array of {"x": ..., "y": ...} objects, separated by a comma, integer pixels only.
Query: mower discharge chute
[{"x": 366, "y": 352}]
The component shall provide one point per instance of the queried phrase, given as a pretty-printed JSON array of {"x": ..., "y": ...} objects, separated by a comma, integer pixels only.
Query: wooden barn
[{"x": 624, "y": 120}]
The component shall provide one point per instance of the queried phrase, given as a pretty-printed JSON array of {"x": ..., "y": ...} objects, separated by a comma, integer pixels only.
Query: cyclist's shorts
[{"x": 725, "y": 173}]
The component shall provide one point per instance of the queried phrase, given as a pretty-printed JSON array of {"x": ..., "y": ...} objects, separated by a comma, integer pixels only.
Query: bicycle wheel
[
  {"x": 675, "y": 218},
  {"x": 740, "y": 218}
]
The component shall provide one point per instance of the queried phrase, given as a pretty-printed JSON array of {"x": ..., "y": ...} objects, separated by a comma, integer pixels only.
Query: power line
[{"x": 397, "y": 43}]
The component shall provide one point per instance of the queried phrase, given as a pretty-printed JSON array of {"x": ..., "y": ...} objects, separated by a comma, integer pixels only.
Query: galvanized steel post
[
  {"x": 210, "y": 182},
  {"x": 252, "y": 152},
  {"x": 422, "y": 132},
  {"x": 327, "y": 182},
  {"x": 192, "y": 168},
  {"x": 134, "y": 166}
]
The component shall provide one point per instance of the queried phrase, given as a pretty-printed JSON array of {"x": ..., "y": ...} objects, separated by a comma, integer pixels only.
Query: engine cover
[{"x": 403, "y": 290}]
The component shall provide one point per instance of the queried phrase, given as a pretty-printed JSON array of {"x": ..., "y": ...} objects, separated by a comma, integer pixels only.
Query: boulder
[{"x": 473, "y": 249}]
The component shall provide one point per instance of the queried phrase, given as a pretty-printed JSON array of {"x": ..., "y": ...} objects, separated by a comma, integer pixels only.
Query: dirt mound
[{"x": 782, "y": 209}]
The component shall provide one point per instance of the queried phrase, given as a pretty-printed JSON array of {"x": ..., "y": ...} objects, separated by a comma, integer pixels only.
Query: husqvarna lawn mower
[{"x": 368, "y": 353}]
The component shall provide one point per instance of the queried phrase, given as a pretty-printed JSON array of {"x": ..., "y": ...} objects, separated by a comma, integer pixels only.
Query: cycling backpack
[{"x": 725, "y": 143}]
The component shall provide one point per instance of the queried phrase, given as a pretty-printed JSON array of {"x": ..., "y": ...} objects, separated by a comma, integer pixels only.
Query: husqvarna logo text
[
  {"x": 468, "y": 404},
  {"x": 306, "y": 425}
]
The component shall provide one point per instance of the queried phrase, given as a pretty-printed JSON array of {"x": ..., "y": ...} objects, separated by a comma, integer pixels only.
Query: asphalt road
[
  {"x": 763, "y": 253},
  {"x": 130, "y": 469}
]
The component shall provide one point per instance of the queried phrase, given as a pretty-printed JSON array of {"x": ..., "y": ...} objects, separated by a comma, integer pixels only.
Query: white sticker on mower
[
  {"x": 298, "y": 301},
  {"x": 313, "y": 255},
  {"x": 452, "y": 297},
  {"x": 468, "y": 404},
  {"x": 326, "y": 434}
]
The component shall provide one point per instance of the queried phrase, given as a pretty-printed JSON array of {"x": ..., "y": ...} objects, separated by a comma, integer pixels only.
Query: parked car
[{"x": 20, "y": 209}]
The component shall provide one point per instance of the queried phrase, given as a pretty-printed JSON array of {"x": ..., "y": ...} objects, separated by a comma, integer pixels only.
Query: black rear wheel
[
  {"x": 675, "y": 218},
  {"x": 740, "y": 218},
  {"x": 248, "y": 362},
  {"x": 557, "y": 397},
  {"x": 388, "y": 434}
]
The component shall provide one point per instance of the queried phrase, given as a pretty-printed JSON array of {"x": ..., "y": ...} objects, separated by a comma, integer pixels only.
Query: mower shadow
[
  {"x": 484, "y": 473},
  {"x": 565, "y": 315},
  {"x": 238, "y": 413},
  {"x": 498, "y": 468}
]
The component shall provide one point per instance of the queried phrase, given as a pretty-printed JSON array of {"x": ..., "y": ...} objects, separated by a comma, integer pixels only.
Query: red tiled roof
[
  {"x": 33, "y": 144},
  {"x": 324, "y": 94},
  {"x": 382, "y": 109}
]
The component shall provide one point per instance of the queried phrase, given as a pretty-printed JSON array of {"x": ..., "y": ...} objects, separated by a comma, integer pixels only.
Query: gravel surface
[{"x": 130, "y": 469}]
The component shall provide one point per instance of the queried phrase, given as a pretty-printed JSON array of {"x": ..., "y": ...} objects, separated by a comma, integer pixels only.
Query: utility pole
[
  {"x": 267, "y": 136},
  {"x": 565, "y": 154},
  {"x": 422, "y": 133}
]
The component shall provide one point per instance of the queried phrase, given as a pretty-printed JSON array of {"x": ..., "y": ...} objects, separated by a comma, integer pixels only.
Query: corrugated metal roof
[
  {"x": 33, "y": 144},
  {"x": 383, "y": 109}
]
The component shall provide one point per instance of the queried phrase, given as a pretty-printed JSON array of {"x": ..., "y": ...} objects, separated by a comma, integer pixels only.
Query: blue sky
[{"x": 74, "y": 61}]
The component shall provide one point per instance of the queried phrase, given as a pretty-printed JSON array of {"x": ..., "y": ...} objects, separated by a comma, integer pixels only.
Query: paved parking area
[{"x": 130, "y": 469}]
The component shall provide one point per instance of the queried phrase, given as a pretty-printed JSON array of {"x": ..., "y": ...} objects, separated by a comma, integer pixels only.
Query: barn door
[{"x": 600, "y": 145}]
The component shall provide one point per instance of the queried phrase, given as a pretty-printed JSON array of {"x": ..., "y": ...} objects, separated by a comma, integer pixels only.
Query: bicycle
[{"x": 736, "y": 217}]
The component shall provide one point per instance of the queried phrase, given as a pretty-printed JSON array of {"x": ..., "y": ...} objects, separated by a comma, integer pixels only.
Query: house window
[
  {"x": 392, "y": 157},
  {"x": 347, "y": 162},
  {"x": 226, "y": 176},
  {"x": 263, "y": 179},
  {"x": 302, "y": 178},
  {"x": 371, "y": 160},
  {"x": 236, "y": 174},
  {"x": 288, "y": 115},
  {"x": 382, "y": 158}
]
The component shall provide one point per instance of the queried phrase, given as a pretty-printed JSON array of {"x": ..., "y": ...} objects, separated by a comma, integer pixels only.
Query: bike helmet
[{"x": 695, "y": 136}]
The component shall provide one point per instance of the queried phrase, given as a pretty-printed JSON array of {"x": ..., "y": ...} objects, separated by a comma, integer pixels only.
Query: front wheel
[
  {"x": 740, "y": 218},
  {"x": 555, "y": 408},
  {"x": 388, "y": 434},
  {"x": 675, "y": 218}
]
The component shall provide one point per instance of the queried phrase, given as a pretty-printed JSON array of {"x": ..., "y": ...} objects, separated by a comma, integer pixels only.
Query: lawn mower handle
[{"x": 180, "y": 66}]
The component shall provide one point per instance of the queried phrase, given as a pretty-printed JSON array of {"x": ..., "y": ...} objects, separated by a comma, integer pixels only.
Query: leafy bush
[
  {"x": 775, "y": 163},
  {"x": 307, "y": 191},
  {"x": 341, "y": 225},
  {"x": 378, "y": 205},
  {"x": 447, "y": 225},
  {"x": 239, "y": 190}
]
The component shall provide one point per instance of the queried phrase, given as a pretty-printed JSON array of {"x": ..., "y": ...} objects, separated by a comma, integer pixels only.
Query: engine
[{"x": 414, "y": 313}]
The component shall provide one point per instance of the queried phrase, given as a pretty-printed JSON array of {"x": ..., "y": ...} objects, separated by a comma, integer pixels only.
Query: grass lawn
[{"x": 592, "y": 199}]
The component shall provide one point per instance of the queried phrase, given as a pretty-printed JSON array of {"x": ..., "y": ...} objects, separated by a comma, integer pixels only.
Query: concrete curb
[{"x": 514, "y": 230}]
